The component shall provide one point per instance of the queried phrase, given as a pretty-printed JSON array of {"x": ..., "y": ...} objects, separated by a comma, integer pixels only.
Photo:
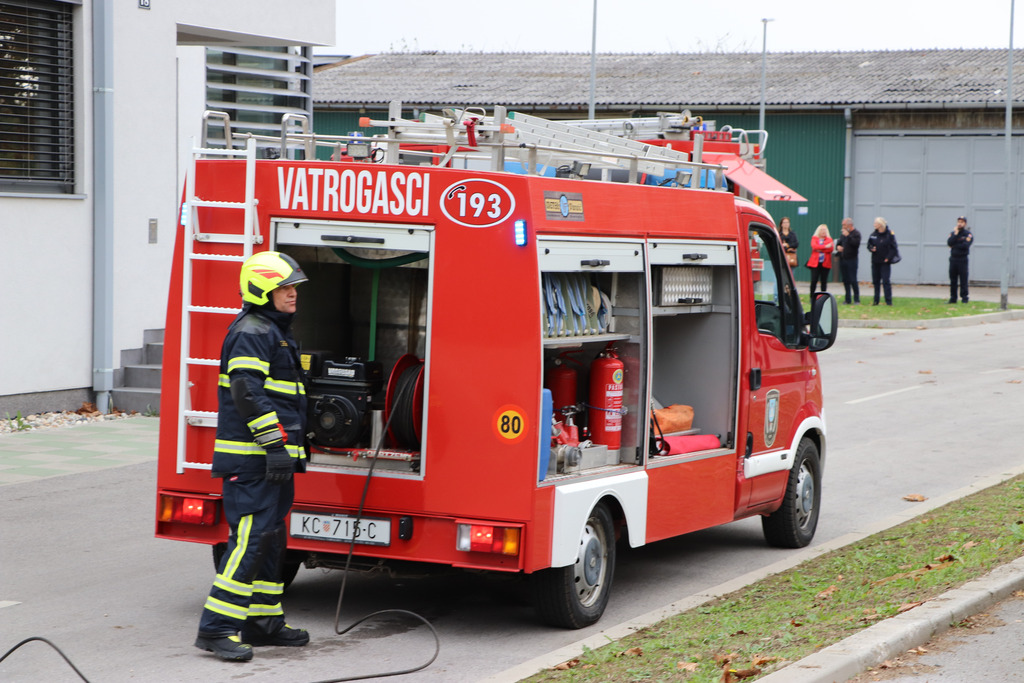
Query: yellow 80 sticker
[{"x": 510, "y": 424}]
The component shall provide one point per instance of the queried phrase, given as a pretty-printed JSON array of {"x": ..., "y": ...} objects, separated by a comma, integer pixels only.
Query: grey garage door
[{"x": 921, "y": 183}]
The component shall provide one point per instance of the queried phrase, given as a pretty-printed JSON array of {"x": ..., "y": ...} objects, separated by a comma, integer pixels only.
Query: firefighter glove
[{"x": 279, "y": 466}]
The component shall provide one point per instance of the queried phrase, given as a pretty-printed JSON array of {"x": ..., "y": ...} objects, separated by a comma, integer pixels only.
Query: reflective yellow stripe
[
  {"x": 295, "y": 451},
  {"x": 237, "y": 447},
  {"x": 224, "y": 381},
  {"x": 258, "y": 424},
  {"x": 268, "y": 587},
  {"x": 266, "y": 610},
  {"x": 241, "y": 543},
  {"x": 282, "y": 387},
  {"x": 226, "y": 608},
  {"x": 232, "y": 586},
  {"x": 248, "y": 363}
]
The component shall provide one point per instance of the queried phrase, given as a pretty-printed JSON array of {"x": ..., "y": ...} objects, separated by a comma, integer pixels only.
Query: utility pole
[{"x": 593, "y": 63}]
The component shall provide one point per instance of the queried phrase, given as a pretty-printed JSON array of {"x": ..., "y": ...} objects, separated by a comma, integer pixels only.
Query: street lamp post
[
  {"x": 593, "y": 62},
  {"x": 764, "y": 55}
]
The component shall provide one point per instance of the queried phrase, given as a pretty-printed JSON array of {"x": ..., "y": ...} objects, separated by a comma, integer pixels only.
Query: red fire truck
[{"x": 493, "y": 358}]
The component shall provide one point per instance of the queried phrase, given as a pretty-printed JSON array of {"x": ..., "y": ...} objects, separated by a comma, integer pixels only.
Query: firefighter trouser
[{"x": 248, "y": 582}]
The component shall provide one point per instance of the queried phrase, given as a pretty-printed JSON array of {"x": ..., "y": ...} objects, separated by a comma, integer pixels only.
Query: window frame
[{"x": 37, "y": 131}]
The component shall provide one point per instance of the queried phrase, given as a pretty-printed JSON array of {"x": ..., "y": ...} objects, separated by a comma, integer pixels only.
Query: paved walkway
[{"x": 54, "y": 451}]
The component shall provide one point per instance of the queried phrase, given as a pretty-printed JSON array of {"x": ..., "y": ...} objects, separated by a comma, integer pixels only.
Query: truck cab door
[{"x": 778, "y": 362}]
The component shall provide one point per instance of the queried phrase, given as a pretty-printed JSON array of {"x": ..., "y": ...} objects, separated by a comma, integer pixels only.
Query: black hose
[
  {"x": 59, "y": 651},
  {"x": 402, "y": 389}
]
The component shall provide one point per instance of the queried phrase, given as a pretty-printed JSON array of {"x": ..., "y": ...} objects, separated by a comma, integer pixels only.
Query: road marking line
[
  {"x": 888, "y": 393},
  {"x": 8, "y": 603}
]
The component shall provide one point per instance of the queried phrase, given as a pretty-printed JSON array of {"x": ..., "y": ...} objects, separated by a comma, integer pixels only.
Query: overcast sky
[{"x": 673, "y": 25}]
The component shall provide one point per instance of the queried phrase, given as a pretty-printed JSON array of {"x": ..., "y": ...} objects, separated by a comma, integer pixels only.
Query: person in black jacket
[
  {"x": 959, "y": 245},
  {"x": 261, "y": 422},
  {"x": 847, "y": 246},
  {"x": 789, "y": 241},
  {"x": 883, "y": 248}
]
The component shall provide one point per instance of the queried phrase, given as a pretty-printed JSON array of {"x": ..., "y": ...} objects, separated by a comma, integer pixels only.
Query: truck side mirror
[{"x": 823, "y": 321}]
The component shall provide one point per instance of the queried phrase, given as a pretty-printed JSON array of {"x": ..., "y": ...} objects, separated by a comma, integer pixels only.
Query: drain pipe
[
  {"x": 847, "y": 161},
  {"x": 102, "y": 203}
]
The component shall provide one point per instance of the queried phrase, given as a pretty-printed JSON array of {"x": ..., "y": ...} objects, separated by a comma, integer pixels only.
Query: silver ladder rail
[{"x": 249, "y": 237}]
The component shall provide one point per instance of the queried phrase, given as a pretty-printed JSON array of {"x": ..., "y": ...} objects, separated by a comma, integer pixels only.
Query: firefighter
[{"x": 259, "y": 445}]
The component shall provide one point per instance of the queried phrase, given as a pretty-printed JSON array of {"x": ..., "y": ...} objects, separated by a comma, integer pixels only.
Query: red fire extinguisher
[
  {"x": 604, "y": 416},
  {"x": 562, "y": 381}
]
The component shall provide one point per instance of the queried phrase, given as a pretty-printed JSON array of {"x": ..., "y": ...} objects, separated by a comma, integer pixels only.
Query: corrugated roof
[{"x": 951, "y": 78}]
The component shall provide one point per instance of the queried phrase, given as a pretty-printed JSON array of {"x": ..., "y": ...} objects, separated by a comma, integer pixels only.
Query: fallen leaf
[
  {"x": 924, "y": 372},
  {"x": 919, "y": 650},
  {"x": 914, "y": 498},
  {"x": 745, "y": 673},
  {"x": 827, "y": 593},
  {"x": 761, "y": 661},
  {"x": 687, "y": 666},
  {"x": 1013, "y": 381},
  {"x": 631, "y": 652},
  {"x": 969, "y": 544},
  {"x": 945, "y": 558},
  {"x": 887, "y": 664},
  {"x": 723, "y": 660},
  {"x": 794, "y": 622},
  {"x": 564, "y": 666},
  {"x": 907, "y": 606},
  {"x": 739, "y": 633}
]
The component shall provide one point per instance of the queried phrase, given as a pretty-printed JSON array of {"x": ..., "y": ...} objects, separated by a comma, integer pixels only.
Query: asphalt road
[{"x": 909, "y": 411}]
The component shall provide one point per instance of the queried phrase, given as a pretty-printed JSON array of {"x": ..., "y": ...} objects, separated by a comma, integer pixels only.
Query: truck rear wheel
[
  {"x": 576, "y": 596},
  {"x": 793, "y": 524}
]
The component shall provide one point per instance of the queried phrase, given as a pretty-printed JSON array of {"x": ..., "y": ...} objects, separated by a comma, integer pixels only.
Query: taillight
[
  {"x": 487, "y": 538},
  {"x": 202, "y": 511}
]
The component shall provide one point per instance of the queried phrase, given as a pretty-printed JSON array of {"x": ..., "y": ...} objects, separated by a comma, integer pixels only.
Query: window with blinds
[
  {"x": 256, "y": 86},
  {"x": 36, "y": 97}
]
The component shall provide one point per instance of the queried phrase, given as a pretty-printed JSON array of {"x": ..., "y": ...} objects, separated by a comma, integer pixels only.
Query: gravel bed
[{"x": 63, "y": 419}]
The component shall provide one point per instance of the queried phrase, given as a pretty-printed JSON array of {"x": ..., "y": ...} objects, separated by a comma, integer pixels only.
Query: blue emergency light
[{"x": 520, "y": 228}]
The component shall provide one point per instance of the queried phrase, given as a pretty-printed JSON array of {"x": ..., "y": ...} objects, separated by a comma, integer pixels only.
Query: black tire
[
  {"x": 793, "y": 524},
  {"x": 576, "y": 596},
  {"x": 289, "y": 565}
]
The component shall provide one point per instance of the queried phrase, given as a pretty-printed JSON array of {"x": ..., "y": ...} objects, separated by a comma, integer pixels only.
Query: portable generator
[{"x": 340, "y": 394}]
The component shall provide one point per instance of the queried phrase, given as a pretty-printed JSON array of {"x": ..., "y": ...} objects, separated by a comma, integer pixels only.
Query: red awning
[{"x": 752, "y": 179}]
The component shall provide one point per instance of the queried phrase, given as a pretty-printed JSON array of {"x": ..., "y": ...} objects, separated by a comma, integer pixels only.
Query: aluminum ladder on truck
[
  {"x": 533, "y": 136},
  {"x": 673, "y": 126},
  {"x": 192, "y": 234}
]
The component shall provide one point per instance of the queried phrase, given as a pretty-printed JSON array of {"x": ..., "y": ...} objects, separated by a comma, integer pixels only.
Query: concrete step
[
  {"x": 153, "y": 353},
  {"x": 141, "y": 400},
  {"x": 142, "y": 376}
]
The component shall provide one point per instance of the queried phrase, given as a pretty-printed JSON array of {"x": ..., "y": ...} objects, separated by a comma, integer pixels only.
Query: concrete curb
[
  {"x": 964, "y": 321},
  {"x": 894, "y": 636},
  {"x": 855, "y": 654}
]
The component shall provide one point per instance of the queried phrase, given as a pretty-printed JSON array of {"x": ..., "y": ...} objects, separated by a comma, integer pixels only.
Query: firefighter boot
[
  {"x": 273, "y": 631},
  {"x": 228, "y": 647}
]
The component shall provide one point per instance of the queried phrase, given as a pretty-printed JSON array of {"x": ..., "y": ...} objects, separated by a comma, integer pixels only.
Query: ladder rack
[
  {"x": 248, "y": 237},
  {"x": 531, "y": 141}
]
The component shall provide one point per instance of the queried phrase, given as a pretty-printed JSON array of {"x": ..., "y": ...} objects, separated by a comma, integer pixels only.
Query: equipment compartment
[
  {"x": 362, "y": 327},
  {"x": 593, "y": 307},
  {"x": 695, "y": 354}
]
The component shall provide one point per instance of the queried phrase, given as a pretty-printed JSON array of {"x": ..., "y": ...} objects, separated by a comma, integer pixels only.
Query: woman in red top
[{"x": 820, "y": 261}]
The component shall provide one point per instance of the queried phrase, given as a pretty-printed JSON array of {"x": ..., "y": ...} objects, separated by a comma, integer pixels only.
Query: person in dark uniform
[
  {"x": 883, "y": 248},
  {"x": 959, "y": 246},
  {"x": 847, "y": 246},
  {"x": 261, "y": 422}
]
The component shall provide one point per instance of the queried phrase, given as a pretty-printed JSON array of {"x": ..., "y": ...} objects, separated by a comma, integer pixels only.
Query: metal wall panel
[{"x": 921, "y": 183}]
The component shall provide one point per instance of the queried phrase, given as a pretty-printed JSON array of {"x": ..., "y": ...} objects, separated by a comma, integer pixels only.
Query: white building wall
[{"x": 47, "y": 242}]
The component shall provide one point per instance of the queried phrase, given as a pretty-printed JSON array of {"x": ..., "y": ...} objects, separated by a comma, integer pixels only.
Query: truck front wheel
[
  {"x": 793, "y": 524},
  {"x": 576, "y": 596}
]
